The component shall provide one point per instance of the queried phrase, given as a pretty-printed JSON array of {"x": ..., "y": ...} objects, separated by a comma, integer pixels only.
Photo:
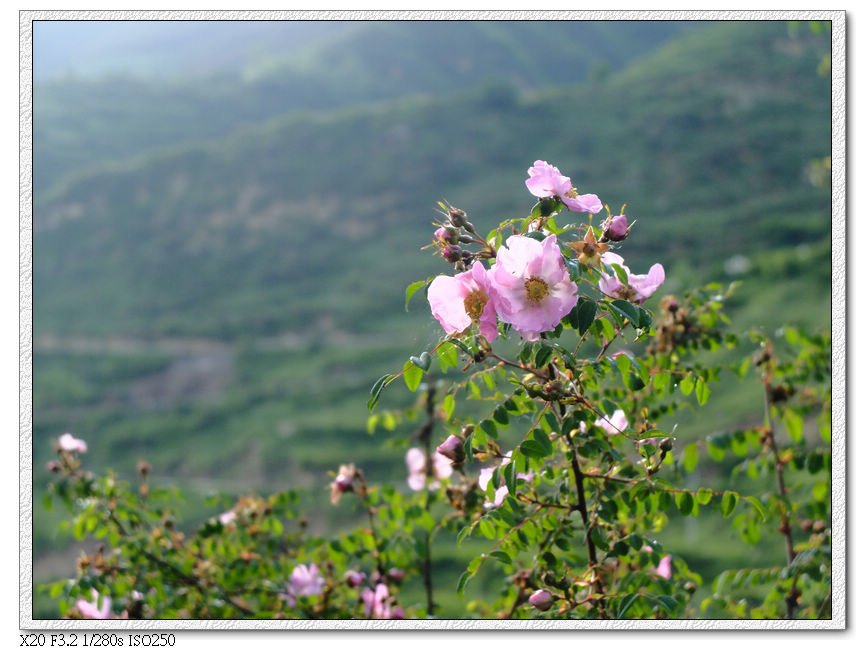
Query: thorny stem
[
  {"x": 583, "y": 509},
  {"x": 781, "y": 487}
]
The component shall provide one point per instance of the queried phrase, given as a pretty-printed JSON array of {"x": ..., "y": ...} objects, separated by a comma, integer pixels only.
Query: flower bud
[
  {"x": 344, "y": 482},
  {"x": 667, "y": 444},
  {"x": 616, "y": 228},
  {"x": 445, "y": 235},
  {"x": 396, "y": 574},
  {"x": 467, "y": 430},
  {"x": 457, "y": 217},
  {"x": 541, "y": 600},
  {"x": 143, "y": 468},
  {"x": 451, "y": 448},
  {"x": 354, "y": 578},
  {"x": 53, "y": 467},
  {"x": 452, "y": 253}
]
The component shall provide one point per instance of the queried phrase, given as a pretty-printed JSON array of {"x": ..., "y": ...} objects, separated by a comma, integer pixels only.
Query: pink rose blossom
[
  {"x": 665, "y": 567},
  {"x": 91, "y": 609},
  {"x": 70, "y": 443},
  {"x": 639, "y": 287},
  {"x": 463, "y": 299},
  {"x": 415, "y": 460},
  {"x": 541, "y": 599},
  {"x": 376, "y": 604},
  {"x": 534, "y": 291},
  {"x": 547, "y": 181},
  {"x": 616, "y": 423},
  {"x": 304, "y": 581}
]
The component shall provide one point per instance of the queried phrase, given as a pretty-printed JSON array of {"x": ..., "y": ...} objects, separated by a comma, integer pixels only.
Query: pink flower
[
  {"x": 616, "y": 423},
  {"x": 227, "y": 517},
  {"x": 91, "y": 609},
  {"x": 665, "y": 567},
  {"x": 546, "y": 181},
  {"x": 541, "y": 599},
  {"x": 616, "y": 228},
  {"x": 304, "y": 581},
  {"x": 486, "y": 476},
  {"x": 463, "y": 299},
  {"x": 70, "y": 443},
  {"x": 639, "y": 287},
  {"x": 376, "y": 604},
  {"x": 344, "y": 482},
  {"x": 451, "y": 448},
  {"x": 534, "y": 291},
  {"x": 415, "y": 460}
]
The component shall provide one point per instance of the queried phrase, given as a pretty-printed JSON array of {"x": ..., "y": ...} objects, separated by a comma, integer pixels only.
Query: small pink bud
[
  {"x": 344, "y": 482},
  {"x": 665, "y": 567},
  {"x": 616, "y": 228},
  {"x": 445, "y": 236},
  {"x": 354, "y": 578},
  {"x": 452, "y": 448},
  {"x": 541, "y": 599},
  {"x": 396, "y": 574}
]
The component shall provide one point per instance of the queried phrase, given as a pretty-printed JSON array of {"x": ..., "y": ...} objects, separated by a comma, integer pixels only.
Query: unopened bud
[
  {"x": 143, "y": 468},
  {"x": 467, "y": 430},
  {"x": 396, "y": 574},
  {"x": 53, "y": 467},
  {"x": 354, "y": 578},
  {"x": 452, "y": 253},
  {"x": 616, "y": 228},
  {"x": 445, "y": 235},
  {"x": 457, "y": 217},
  {"x": 541, "y": 600},
  {"x": 667, "y": 444},
  {"x": 451, "y": 448}
]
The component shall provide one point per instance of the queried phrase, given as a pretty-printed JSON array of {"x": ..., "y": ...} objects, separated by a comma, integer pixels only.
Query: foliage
[{"x": 579, "y": 478}]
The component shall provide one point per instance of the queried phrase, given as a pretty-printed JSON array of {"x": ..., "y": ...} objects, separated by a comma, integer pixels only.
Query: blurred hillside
[{"x": 220, "y": 255}]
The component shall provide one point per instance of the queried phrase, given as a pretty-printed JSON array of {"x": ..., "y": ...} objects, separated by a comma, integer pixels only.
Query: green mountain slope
[
  {"x": 92, "y": 119},
  {"x": 228, "y": 239}
]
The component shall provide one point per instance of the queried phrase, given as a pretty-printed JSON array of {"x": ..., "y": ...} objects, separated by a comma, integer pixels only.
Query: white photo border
[{"x": 838, "y": 321}]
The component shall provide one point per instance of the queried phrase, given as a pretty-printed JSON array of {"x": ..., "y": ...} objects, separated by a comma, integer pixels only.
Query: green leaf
[
  {"x": 755, "y": 503},
  {"x": 532, "y": 449},
  {"x": 489, "y": 428},
  {"x": 628, "y": 310},
  {"x": 448, "y": 356},
  {"x": 793, "y": 424},
  {"x": 704, "y": 496},
  {"x": 510, "y": 473},
  {"x": 412, "y": 289},
  {"x": 728, "y": 503},
  {"x": 703, "y": 391},
  {"x": 423, "y": 361},
  {"x": 690, "y": 457},
  {"x": 625, "y": 604},
  {"x": 586, "y": 311},
  {"x": 687, "y": 384},
  {"x": 448, "y": 405},
  {"x": 502, "y": 557},
  {"x": 543, "y": 356},
  {"x": 540, "y": 436},
  {"x": 464, "y": 580},
  {"x": 412, "y": 375},
  {"x": 500, "y": 415},
  {"x": 376, "y": 389},
  {"x": 685, "y": 503}
]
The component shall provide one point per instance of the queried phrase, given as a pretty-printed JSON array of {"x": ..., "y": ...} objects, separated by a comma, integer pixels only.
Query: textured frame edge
[{"x": 838, "y": 323}]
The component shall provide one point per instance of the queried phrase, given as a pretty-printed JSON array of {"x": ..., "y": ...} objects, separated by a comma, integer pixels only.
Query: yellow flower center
[
  {"x": 536, "y": 290},
  {"x": 474, "y": 304}
]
